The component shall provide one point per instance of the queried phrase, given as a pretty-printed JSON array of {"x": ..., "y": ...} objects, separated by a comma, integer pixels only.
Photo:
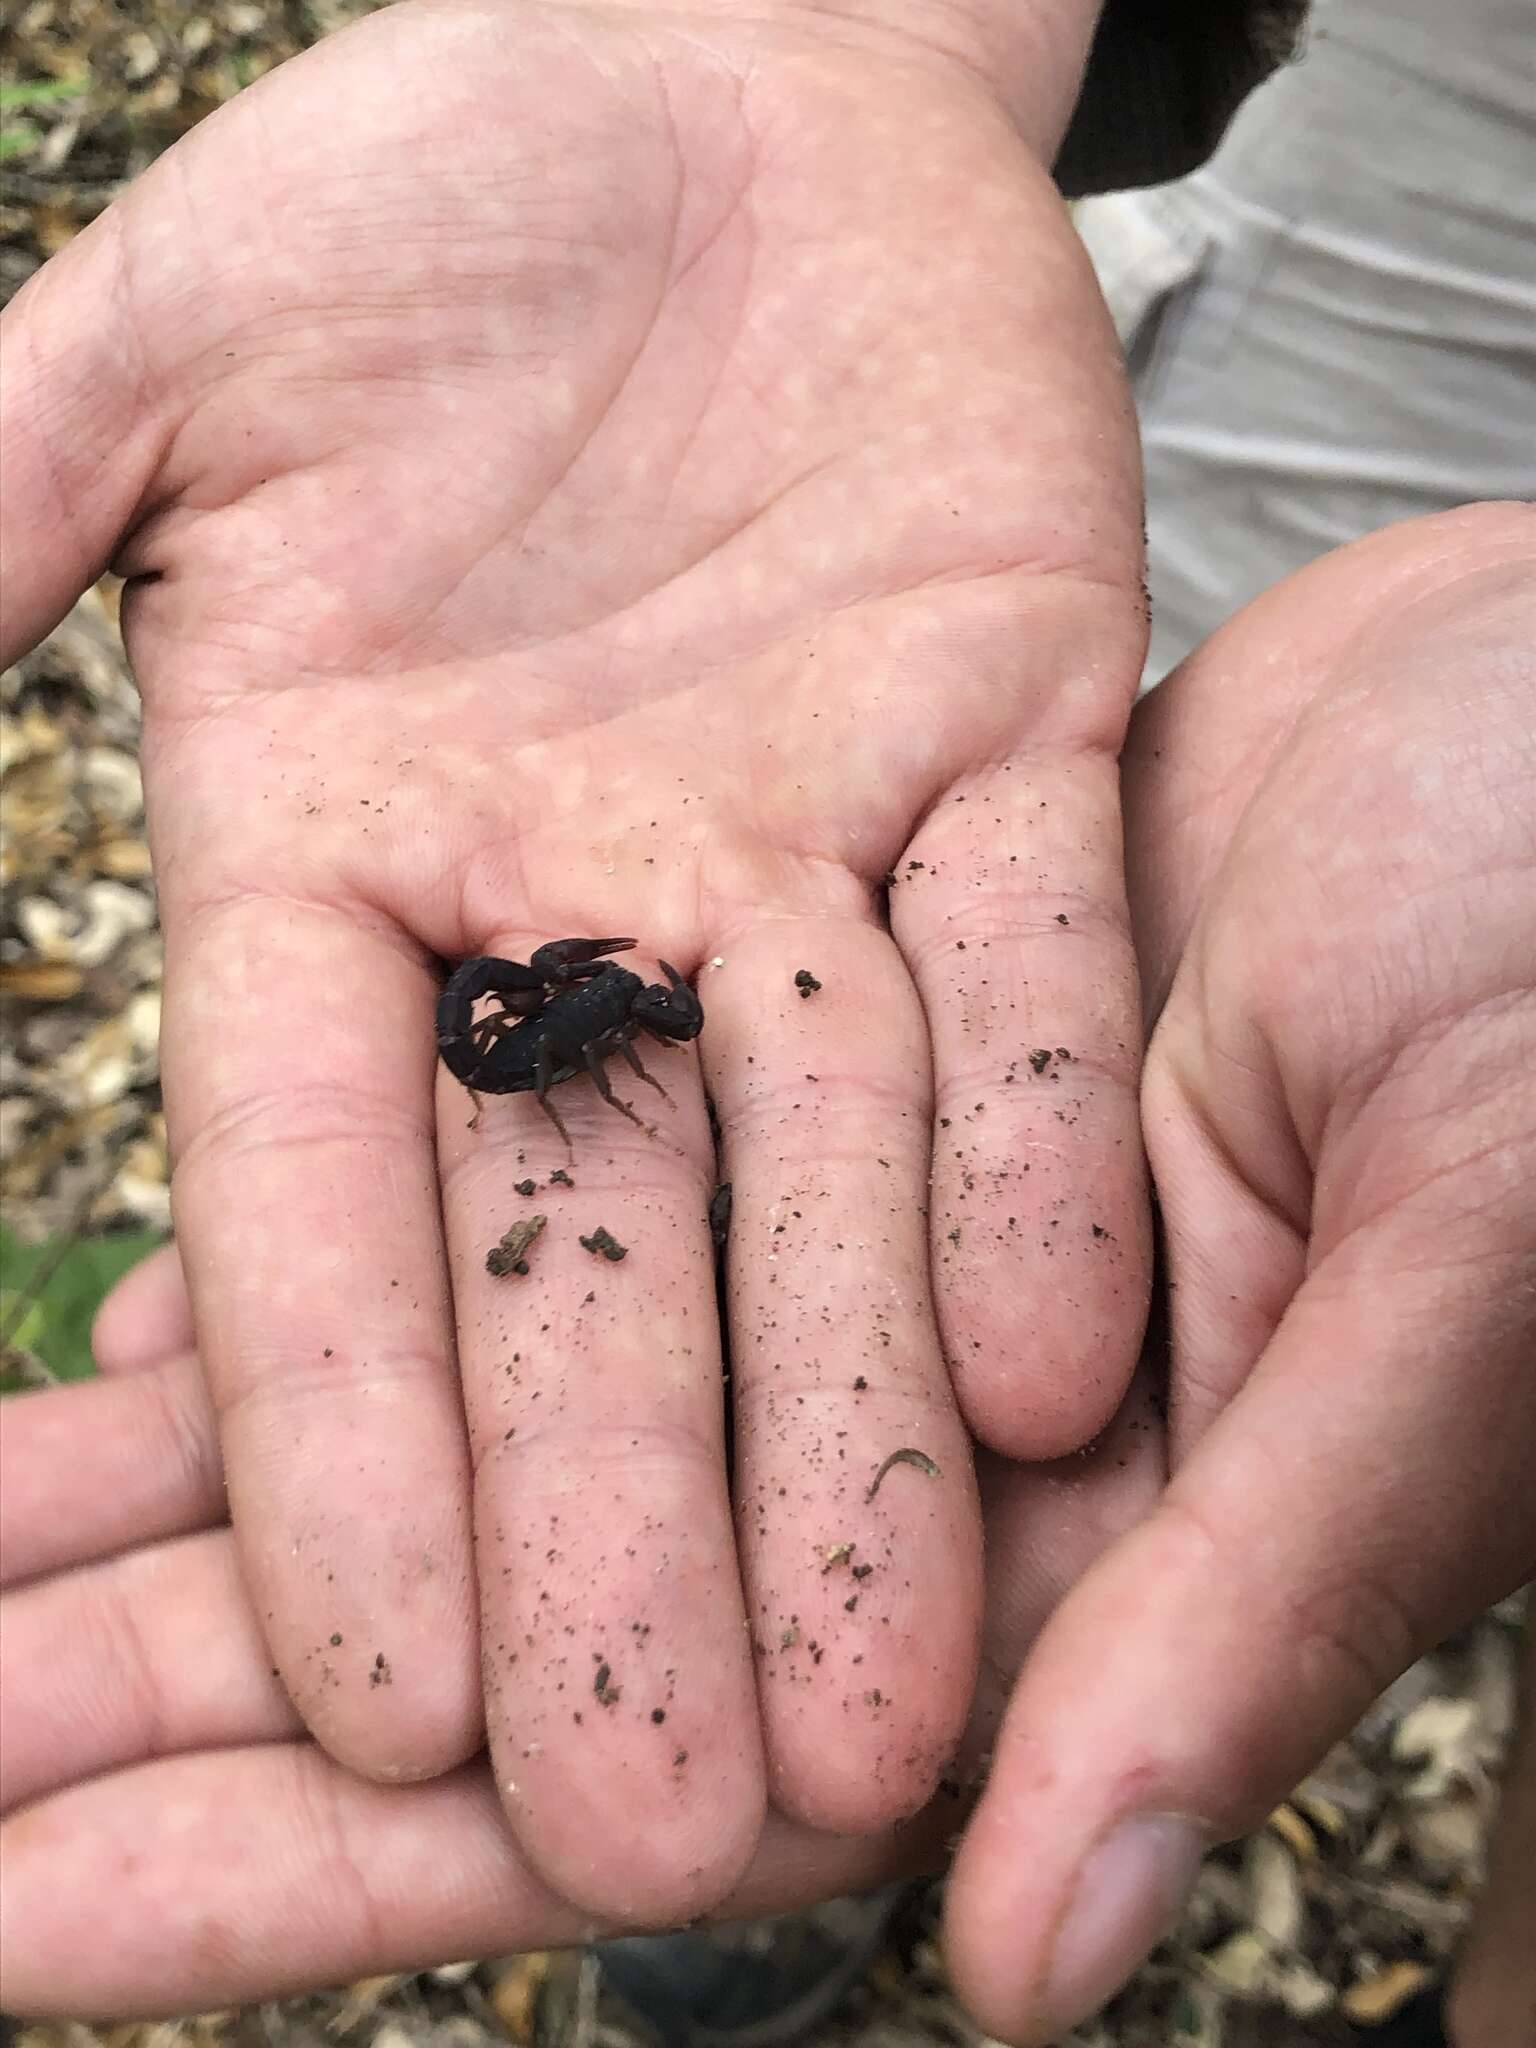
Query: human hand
[
  {"x": 669, "y": 472},
  {"x": 158, "y": 1787},
  {"x": 1332, "y": 853},
  {"x": 119, "y": 1738}
]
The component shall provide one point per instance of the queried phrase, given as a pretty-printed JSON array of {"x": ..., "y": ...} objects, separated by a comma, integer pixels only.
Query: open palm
[{"x": 655, "y": 481}]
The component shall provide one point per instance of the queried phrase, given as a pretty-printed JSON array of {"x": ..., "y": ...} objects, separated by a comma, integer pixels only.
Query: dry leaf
[
  {"x": 515, "y": 1994},
  {"x": 40, "y": 981},
  {"x": 362, "y": 2001},
  {"x": 1241, "y": 1964},
  {"x": 1274, "y": 1891},
  {"x": 1448, "y": 1835},
  {"x": 1288, "y": 1824},
  {"x": 1375, "y": 1999},
  {"x": 1444, "y": 1733},
  {"x": 1321, "y": 1811}
]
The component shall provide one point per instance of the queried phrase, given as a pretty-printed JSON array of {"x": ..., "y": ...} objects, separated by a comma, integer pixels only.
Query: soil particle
[
  {"x": 525, "y": 1187},
  {"x": 604, "y": 1692},
  {"x": 511, "y": 1255},
  {"x": 806, "y": 982},
  {"x": 603, "y": 1244}
]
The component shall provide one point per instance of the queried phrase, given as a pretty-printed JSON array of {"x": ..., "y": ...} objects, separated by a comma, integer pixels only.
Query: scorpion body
[{"x": 564, "y": 1013}]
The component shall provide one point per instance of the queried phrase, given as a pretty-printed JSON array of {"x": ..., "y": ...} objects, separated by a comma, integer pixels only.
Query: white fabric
[{"x": 1333, "y": 325}]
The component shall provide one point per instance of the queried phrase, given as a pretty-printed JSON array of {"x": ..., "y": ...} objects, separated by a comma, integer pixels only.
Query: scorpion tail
[{"x": 519, "y": 989}]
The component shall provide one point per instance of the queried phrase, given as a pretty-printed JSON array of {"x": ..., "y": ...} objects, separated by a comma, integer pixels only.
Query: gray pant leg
[{"x": 1333, "y": 325}]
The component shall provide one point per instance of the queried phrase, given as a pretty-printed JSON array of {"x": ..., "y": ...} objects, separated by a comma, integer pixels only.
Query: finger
[
  {"x": 1352, "y": 1505},
  {"x": 298, "y": 1063},
  {"x": 145, "y": 1655},
  {"x": 863, "y": 1576},
  {"x": 1345, "y": 1508},
  {"x": 146, "y": 1320},
  {"x": 618, "y": 1685},
  {"x": 156, "y": 1651},
  {"x": 211, "y": 1880},
  {"x": 82, "y": 433},
  {"x": 215, "y": 1877},
  {"x": 1010, "y": 909},
  {"x": 89, "y": 1470}
]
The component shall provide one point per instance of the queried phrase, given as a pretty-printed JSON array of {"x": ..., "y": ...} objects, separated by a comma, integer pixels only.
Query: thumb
[
  {"x": 82, "y": 439},
  {"x": 1368, "y": 1489}
]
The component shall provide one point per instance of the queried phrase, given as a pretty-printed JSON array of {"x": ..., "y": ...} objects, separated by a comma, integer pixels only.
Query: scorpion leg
[
  {"x": 604, "y": 1087},
  {"x": 480, "y": 1037},
  {"x": 627, "y": 1047},
  {"x": 485, "y": 1031},
  {"x": 566, "y": 960},
  {"x": 543, "y": 1081}
]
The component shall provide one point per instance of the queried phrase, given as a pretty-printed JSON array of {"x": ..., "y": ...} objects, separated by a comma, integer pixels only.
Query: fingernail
[{"x": 1129, "y": 1891}]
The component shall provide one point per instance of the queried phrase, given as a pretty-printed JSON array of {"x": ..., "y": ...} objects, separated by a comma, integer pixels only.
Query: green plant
[
  {"x": 37, "y": 92},
  {"x": 49, "y": 1295},
  {"x": 18, "y": 136}
]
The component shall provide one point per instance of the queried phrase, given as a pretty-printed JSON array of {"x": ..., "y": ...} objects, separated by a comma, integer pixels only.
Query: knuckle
[
  {"x": 310, "y": 1115},
  {"x": 571, "y": 1456},
  {"x": 125, "y": 1657}
]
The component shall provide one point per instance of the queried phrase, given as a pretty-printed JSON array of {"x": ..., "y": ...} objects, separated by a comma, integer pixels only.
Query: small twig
[{"x": 920, "y": 1459}]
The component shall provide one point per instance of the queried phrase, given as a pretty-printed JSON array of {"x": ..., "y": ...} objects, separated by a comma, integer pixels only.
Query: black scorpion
[{"x": 563, "y": 1014}]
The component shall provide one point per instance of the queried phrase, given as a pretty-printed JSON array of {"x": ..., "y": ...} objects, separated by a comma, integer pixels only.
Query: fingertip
[
  {"x": 866, "y": 1695},
  {"x": 146, "y": 1319},
  {"x": 862, "y": 1787},
  {"x": 1125, "y": 1896},
  {"x": 659, "y": 1850},
  {"x": 1034, "y": 1419},
  {"x": 101, "y": 1466},
  {"x": 422, "y": 1753},
  {"x": 1043, "y": 1341},
  {"x": 392, "y": 1719}
]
